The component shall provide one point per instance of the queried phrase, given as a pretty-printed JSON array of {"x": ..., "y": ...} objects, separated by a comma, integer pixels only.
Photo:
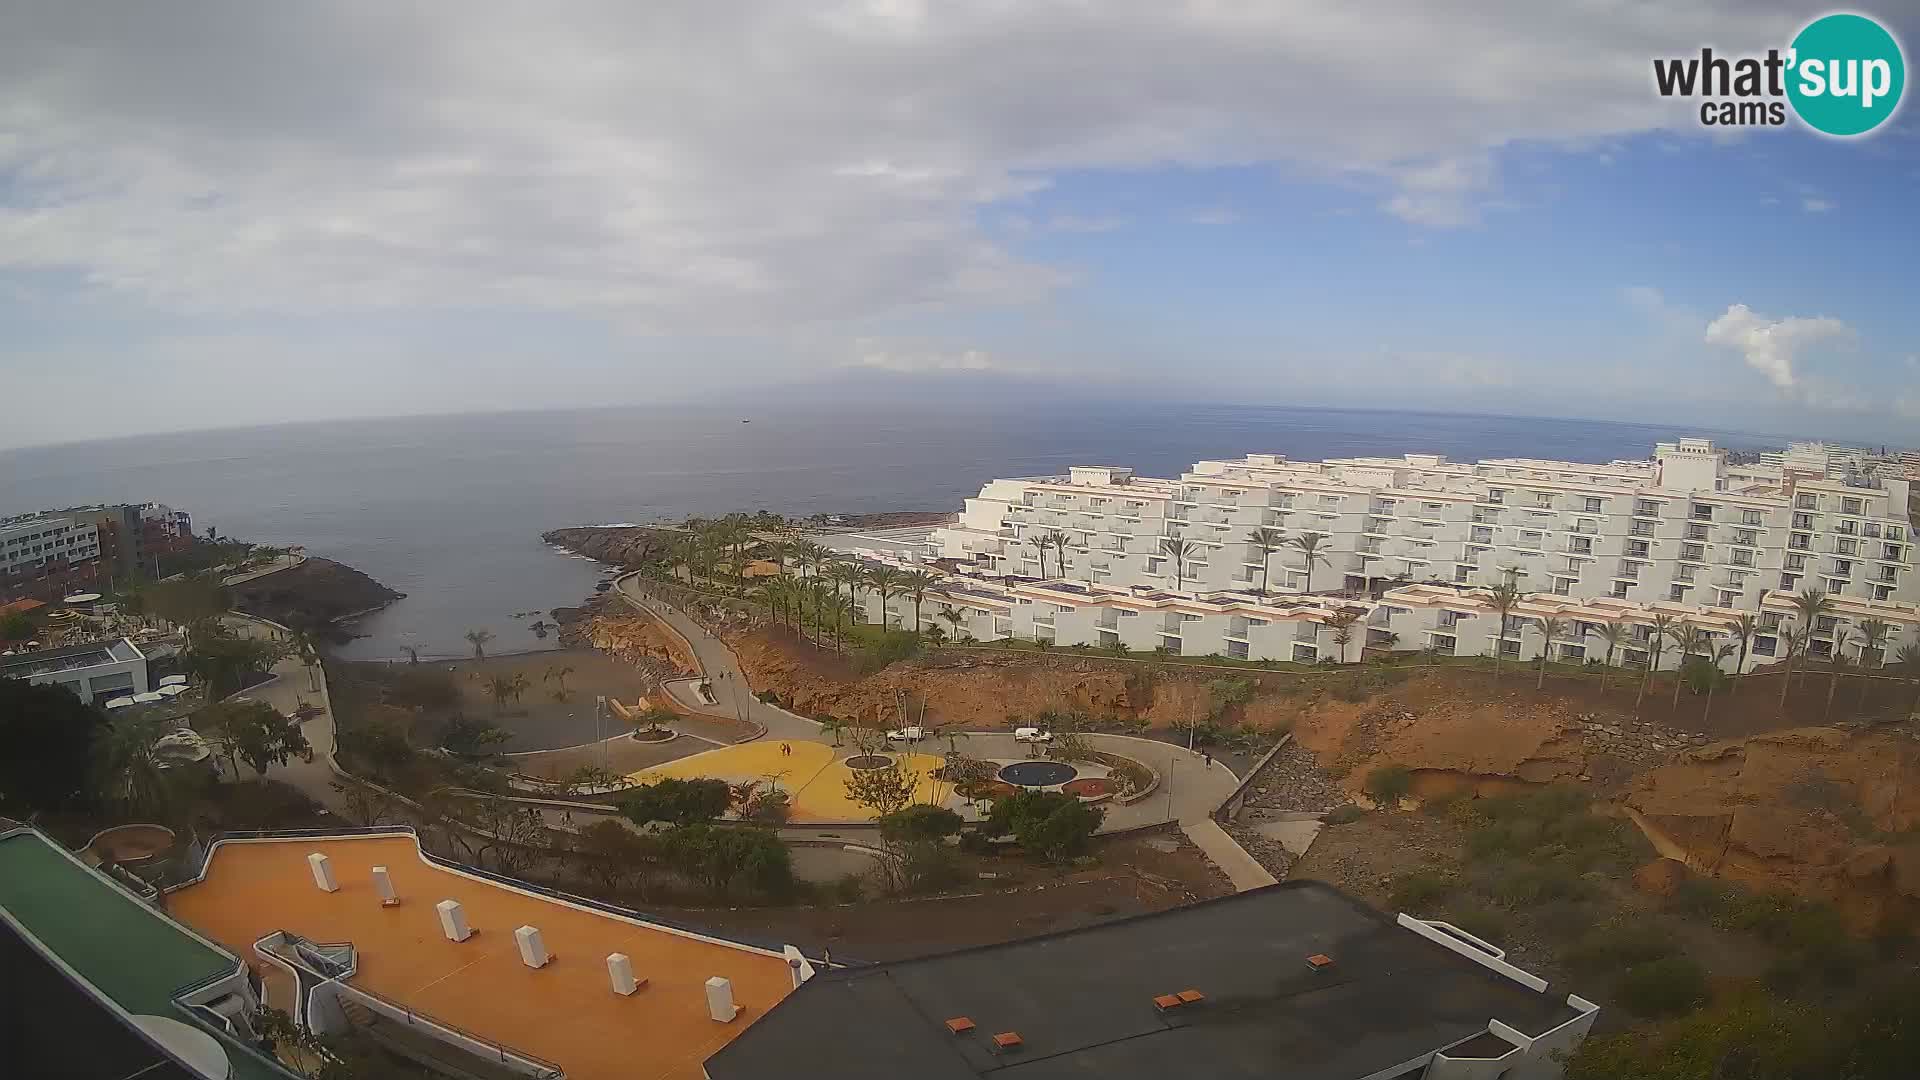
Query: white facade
[
  {"x": 96, "y": 670},
  {"x": 1683, "y": 534},
  {"x": 28, "y": 544}
]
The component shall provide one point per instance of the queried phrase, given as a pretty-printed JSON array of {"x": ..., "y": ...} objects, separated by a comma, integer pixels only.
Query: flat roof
[
  {"x": 564, "y": 1013},
  {"x": 1082, "y": 1001},
  {"x": 56, "y": 1028},
  {"x": 68, "y": 658}
]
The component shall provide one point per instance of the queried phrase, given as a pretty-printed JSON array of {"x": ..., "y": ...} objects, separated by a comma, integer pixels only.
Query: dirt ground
[
  {"x": 621, "y": 755},
  {"x": 1135, "y": 876},
  {"x": 537, "y": 721}
]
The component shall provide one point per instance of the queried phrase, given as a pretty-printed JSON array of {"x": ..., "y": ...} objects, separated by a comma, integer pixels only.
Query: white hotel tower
[{"x": 1412, "y": 542}]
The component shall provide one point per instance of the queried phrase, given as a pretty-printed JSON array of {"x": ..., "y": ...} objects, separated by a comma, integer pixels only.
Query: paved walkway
[
  {"x": 297, "y": 684},
  {"x": 1230, "y": 857}
]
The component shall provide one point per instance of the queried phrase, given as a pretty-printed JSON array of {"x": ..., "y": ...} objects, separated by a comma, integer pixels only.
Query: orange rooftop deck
[{"x": 564, "y": 1012}]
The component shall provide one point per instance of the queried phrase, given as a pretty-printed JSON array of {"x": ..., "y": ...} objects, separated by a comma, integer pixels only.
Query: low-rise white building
[{"x": 94, "y": 671}]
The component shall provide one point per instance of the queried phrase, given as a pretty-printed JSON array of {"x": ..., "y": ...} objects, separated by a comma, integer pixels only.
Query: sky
[{"x": 224, "y": 214}]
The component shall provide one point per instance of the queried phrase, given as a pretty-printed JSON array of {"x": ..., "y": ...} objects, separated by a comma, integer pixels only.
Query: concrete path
[
  {"x": 1230, "y": 857},
  {"x": 297, "y": 684}
]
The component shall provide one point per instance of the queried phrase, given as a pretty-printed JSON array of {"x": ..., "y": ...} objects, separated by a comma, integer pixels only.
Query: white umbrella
[
  {"x": 174, "y": 680},
  {"x": 171, "y": 690},
  {"x": 119, "y": 703},
  {"x": 148, "y": 697}
]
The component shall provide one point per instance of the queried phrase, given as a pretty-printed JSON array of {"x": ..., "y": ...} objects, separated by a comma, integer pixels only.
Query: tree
[
  {"x": 187, "y": 600},
  {"x": 677, "y": 802},
  {"x": 729, "y": 859},
  {"x": 253, "y": 732},
  {"x": 1745, "y": 629},
  {"x": 1503, "y": 598},
  {"x": 1341, "y": 623},
  {"x": 954, "y": 618},
  {"x": 558, "y": 674},
  {"x": 223, "y": 660},
  {"x": 1308, "y": 545},
  {"x": 886, "y": 790},
  {"x": 47, "y": 737},
  {"x": 616, "y": 854},
  {"x": 15, "y": 626},
  {"x": 1266, "y": 541},
  {"x": 478, "y": 639},
  {"x": 1614, "y": 633},
  {"x": 886, "y": 581},
  {"x": 1872, "y": 644},
  {"x": 1658, "y": 630},
  {"x": 1795, "y": 640},
  {"x": 1550, "y": 628},
  {"x": 916, "y": 584},
  {"x": 471, "y": 739},
  {"x": 305, "y": 646},
  {"x": 1719, "y": 654},
  {"x": 1179, "y": 551},
  {"x": 1687, "y": 638},
  {"x": 1808, "y": 607},
  {"x": 1059, "y": 542},
  {"x": 1387, "y": 785},
  {"x": 127, "y": 773},
  {"x": 1050, "y": 824}
]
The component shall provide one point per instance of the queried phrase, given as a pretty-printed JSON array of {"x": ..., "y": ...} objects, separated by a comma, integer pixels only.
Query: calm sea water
[{"x": 449, "y": 510}]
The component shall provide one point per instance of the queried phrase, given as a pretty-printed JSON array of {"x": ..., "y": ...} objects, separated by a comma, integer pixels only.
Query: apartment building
[
  {"x": 1682, "y": 533},
  {"x": 35, "y": 545}
]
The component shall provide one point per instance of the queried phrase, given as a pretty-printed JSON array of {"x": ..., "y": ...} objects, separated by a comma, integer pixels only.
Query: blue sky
[{"x": 353, "y": 211}]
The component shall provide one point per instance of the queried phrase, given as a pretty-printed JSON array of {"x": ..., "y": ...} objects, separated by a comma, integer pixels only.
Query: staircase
[{"x": 357, "y": 1014}]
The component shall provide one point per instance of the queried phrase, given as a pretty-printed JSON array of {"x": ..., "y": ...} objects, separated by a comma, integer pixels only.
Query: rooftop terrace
[{"x": 564, "y": 1012}]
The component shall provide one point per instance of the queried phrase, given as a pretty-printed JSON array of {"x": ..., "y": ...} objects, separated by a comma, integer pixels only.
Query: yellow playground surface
[{"x": 813, "y": 774}]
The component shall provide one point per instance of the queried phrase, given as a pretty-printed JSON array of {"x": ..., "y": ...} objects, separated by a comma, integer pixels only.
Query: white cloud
[
  {"x": 882, "y": 356},
  {"x": 1074, "y": 223},
  {"x": 1211, "y": 215},
  {"x": 1814, "y": 205},
  {"x": 746, "y": 164},
  {"x": 1772, "y": 346}
]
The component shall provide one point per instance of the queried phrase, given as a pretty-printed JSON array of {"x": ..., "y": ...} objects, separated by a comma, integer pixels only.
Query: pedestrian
[{"x": 1206, "y": 756}]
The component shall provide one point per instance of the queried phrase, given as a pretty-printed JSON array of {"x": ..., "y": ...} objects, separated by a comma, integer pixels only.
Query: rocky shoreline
[{"x": 315, "y": 596}]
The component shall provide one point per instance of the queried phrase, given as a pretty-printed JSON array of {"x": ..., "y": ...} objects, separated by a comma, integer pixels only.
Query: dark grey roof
[
  {"x": 49, "y": 1026},
  {"x": 1082, "y": 1001}
]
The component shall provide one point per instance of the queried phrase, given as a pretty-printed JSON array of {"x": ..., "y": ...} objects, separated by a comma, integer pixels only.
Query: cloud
[
  {"x": 209, "y": 158},
  {"x": 1772, "y": 346},
  {"x": 1814, "y": 205},
  {"x": 879, "y": 356},
  {"x": 1074, "y": 223}
]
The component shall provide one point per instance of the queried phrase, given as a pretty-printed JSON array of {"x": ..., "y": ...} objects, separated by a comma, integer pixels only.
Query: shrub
[
  {"x": 849, "y": 888},
  {"x": 920, "y": 822},
  {"x": 1617, "y": 946},
  {"x": 1342, "y": 815},
  {"x": 888, "y": 647},
  {"x": 1420, "y": 890},
  {"x": 1388, "y": 784},
  {"x": 1047, "y": 823},
  {"x": 1664, "y": 987},
  {"x": 1479, "y": 920},
  {"x": 677, "y": 802},
  {"x": 926, "y": 865},
  {"x": 728, "y": 860},
  {"x": 1526, "y": 884}
]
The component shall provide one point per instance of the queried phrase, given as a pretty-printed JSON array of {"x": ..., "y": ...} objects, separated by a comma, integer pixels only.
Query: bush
[
  {"x": 920, "y": 822},
  {"x": 1388, "y": 784},
  {"x": 1618, "y": 946},
  {"x": 1526, "y": 884},
  {"x": 1343, "y": 815},
  {"x": 1418, "y": 891},
  {"x": 677, "y": 802},
  {"x": 889, "y": 646},
  {"x": 729, "y": 861},
  {"x": 1047, "y": 823},
  {"x": 1665, "y": 987},
  {"x": 926, "y": 865},
  {"x": 849, "y": 888},
  {"x": 1479, "y": 920}
]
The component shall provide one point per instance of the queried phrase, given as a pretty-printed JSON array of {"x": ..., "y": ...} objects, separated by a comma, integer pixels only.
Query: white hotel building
[{"x": 1413, "y": 541}]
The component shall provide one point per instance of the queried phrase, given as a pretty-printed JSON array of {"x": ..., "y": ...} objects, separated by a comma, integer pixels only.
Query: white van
[{"x": 1032, "y": 735}]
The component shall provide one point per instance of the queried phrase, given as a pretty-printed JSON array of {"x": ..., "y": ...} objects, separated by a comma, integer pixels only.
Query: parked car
[
  {"x": 1032, "y": 735},
  {"x": 906, "y": 734}
]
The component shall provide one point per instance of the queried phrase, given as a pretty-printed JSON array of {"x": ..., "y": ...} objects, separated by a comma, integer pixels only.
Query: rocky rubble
[{"x": 629, "y": 546}]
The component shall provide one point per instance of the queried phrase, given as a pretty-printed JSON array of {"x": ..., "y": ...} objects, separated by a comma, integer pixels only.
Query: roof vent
[
  {"x": 1190, "y": 997},
  {"x": 1167, "y": 1001},
  {"x": 1319, "y": 961},
  {"x": 959, "y": 1025},
  {"x": 1007, "y": 1040}
]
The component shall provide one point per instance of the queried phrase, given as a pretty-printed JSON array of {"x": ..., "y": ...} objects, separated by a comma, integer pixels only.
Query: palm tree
[
  {"x": 1503, "y": 598},
  {"x": 1745, "y": 629},
  {"x": 127, "y": 772},
  {"x": 308, "y": 650},
  {"x": 1808, "y": 606},
  {"x": 557, "y": 673},
  {"x": 954, "y": 618},
  {"x": 1179, "y": 550},
  {"x": 1795, "y": 640},
  {"x": 1550, "y": 628},
  {"x": 1658, "y": 628},
  {"x": 1687, "y": 637},
  {"x": 1058, "y": 541},
  {"x": 1720, "y": 654},
  {"x": 1614, "y": 633},
  {"x": 1872, "y": 636},
  {"x": 1342, "y": 623},
  {"x": 843, "y": 572},
  {"x": 886, "y": 581},
  {"x": 917, "y": 583},
  {"x": 1266, "y": 541},
  {"x": 478, "y": 639},
  {"x": 1309, "y": 546}
]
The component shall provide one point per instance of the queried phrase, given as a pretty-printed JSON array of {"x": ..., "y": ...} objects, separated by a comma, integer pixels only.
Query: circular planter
[
  {"x": 645, "y": 736},
  {"x": 864, "y": 762},
  {"x": 1089, "y": 787},
  {"x": 131, "y": 843},
  {"x": 1038, "y": 774}
]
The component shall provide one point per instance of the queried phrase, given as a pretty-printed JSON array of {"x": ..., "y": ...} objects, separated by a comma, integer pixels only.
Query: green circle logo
[{"x": 1845, "y": 74}]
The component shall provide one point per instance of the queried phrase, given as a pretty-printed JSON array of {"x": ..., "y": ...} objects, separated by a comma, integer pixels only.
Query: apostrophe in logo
[{"x": 1843, "y": 75}]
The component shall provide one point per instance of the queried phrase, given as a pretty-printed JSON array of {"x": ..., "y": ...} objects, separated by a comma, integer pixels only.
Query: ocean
[{"x": 449, "y": 509}]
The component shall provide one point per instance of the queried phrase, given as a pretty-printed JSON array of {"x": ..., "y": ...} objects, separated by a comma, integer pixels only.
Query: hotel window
[
  {"x": 1883, "y": 592},
  {"x": 1800, "y": 542},
  {"x": 1683, "y": 573},
  {"x": 1744, "y": 537},
  {"x": 1764, "y": 646},
  {"x": 1890, "y": 552},
  {"x": 1702, "y": 512},
  {"x": 1646, "y": 508},
  {"x": 1806, "y": 502},
  {"x": 1894, "y": 532},
  {"x": 1843, "y": 567},
  {"x": 1677, "y": 592},
  {"x": 1543, "y": 501},
  {"x": 1728, "y": 599},
  {"x": 1496, "y": 495},
  {"x": 1562, "y": 586},
  {"x": 1803, "y": 521},
  {"x": 1850, "y": 506},
  {"x": 1594, "y": 505},
  {"x": 1619, "y": 590},
  {"x": 1690, "y": 551},
  {"x": 1749, "y": 517},
  {"x": 1696, "y": 532},
  {"x": 1825, "y": 624},
  {"x": 1846, "y": 547},
  {"x": 1460, "y": 574},
  {"x": 1638, "y": 548},
  {"x": 1788, "y": 582}
]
